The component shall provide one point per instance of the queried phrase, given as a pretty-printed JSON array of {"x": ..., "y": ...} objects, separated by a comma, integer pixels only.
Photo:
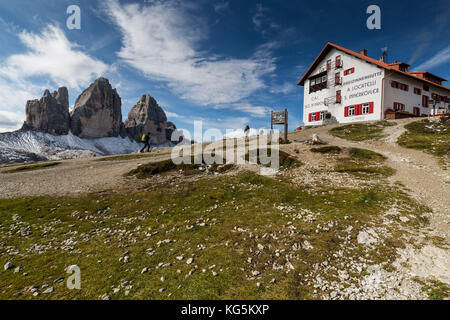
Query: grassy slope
[
  {"x": 364, "y": 163},
  {"x": 432, "y": 137},
  {"x": 104, "y": 227},
  {"x": 361, "y": 131}
]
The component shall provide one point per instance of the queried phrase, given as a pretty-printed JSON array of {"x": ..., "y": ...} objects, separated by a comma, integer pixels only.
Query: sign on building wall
[{"x": 280, "y": 117}]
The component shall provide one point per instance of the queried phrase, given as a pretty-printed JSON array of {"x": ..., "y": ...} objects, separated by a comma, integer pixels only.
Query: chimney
[
  {"x": 364, "y": 52},
  {"x": 383, "y": 59}
]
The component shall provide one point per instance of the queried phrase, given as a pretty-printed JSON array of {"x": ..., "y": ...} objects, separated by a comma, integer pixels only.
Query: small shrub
[
  {"x": 327, "y": 149},
  {"x": 364, "y": 154},
  {"x": 361, "y": 131}
]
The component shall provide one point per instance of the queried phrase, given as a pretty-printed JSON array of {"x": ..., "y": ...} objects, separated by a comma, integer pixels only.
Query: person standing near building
[{"x": 146, "y": 139}]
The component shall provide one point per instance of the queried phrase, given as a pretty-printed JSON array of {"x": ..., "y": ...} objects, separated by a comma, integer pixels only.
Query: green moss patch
[
  {"x": 430, "y": 136},
  {"x": 361, "y": 131}
]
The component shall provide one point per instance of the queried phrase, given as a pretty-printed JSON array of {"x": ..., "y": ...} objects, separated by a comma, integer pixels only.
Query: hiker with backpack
[{"x": 146, "y": 139}]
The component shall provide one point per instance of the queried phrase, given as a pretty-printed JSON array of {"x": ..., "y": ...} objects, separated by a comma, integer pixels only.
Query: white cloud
[
  {"x": 13, "y": 96},
  {"x": 224, "y": 123},
  {"x": 258, "y": 17},
  {"x": 172, "y": 115},
  {"x": 49, "y": 55},
  {"x": 221, "y": 7},
  {"x": 10, "y": 121},
  {"x": 163, "y": 42},
  {"x": 438, "y": 59},
  {"x": 255, "y": 111},
  {"x": 263, "y": 23},
  {"x": 284, "y": 88},
  {"x": 52, "y": 54}
]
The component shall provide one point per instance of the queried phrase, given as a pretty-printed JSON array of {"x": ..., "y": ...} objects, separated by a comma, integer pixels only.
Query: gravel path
[{"x": 71, "y": 178}]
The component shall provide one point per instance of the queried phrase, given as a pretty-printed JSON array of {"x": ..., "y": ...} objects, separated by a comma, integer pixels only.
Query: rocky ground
[{"x": 309, "y": 232}]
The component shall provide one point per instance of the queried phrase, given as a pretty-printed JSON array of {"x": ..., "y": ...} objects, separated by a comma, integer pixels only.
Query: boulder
[
  {"x": 50, "y": 114},
  {"x": 147, "y": 116},
  {"x": 97, "y": 112}
]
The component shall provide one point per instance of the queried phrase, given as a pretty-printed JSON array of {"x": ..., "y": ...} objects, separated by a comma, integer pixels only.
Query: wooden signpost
[{"x": 280, "y": 117}]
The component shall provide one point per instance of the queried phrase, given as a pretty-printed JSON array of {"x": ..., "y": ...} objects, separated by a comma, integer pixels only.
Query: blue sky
[{"x": 227, "y": 63}]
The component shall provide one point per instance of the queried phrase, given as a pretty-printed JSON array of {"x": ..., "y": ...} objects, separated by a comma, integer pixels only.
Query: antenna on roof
[{"x": 384, "y": 57}]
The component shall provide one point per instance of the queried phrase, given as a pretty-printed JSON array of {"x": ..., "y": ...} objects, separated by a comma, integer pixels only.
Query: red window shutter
[
  {"x": 371, "y": 107},
  {"x": 310, "y": 116},
  {"x": 346, "y": 112},
  {"x": 317, "y": 116},
  {"x": 360, "y": 109}
]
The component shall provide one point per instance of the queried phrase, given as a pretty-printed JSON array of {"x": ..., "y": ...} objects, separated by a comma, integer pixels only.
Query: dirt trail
[{"x": 72, "y": 177}]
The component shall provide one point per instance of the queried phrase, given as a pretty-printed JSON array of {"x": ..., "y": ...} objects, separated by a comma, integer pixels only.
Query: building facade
[{"x": 346, "y": 86}]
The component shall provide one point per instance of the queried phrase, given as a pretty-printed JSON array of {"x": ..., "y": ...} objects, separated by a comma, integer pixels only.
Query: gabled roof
[
  {"x": 376, "y": 62},
  {"x": 427, "y": 73}
]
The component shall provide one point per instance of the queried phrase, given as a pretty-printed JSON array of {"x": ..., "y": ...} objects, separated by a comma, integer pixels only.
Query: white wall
[
  {"x": 409, "y": 98},
  {"x": 356, "y": 89}
]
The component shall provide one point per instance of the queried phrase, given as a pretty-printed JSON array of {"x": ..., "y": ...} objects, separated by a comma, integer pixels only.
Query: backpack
[{"x": 144, "y": 136}]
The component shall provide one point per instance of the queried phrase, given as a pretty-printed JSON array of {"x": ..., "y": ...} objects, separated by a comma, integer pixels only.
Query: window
[
  {"x": 365, "y": 108},
  {"x": 313, "y": 82},
  {"x": 417, "y": 91},
  {"x": 349, "y": 71},
  {"x": 359, "y": 109},
  {"x": 324, "y": 78},
  {"x": 318, "y": 80},
  {"x": 338, "y": 96},
  {"x": 398, "y": 85},
  {"x": 337, "y": 78},
  {"x": 317, "y": 116},
  {"x": 426, "y": 87},
  {"x": 351, "y": 110},
  {"x": 425, "y": 101},
  {"x": 329, "y": 64},
  {"x": 416, "y": 111},
  {"x": 399, "y": 106},
  {"x": 338, "y": 61}
]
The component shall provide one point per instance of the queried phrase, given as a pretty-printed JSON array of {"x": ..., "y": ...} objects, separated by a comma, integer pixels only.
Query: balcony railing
[{"x": 332, "y": 100}]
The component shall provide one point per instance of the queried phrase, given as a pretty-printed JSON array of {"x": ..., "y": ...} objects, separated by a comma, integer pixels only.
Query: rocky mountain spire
[
  {"x": 97, "y": 112},
  {"x": 147, "y": 116},
  {"x": 50, "y": 114}
]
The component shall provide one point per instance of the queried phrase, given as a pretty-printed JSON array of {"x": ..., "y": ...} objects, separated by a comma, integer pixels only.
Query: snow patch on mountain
[{"x": 22, "y": 146}]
